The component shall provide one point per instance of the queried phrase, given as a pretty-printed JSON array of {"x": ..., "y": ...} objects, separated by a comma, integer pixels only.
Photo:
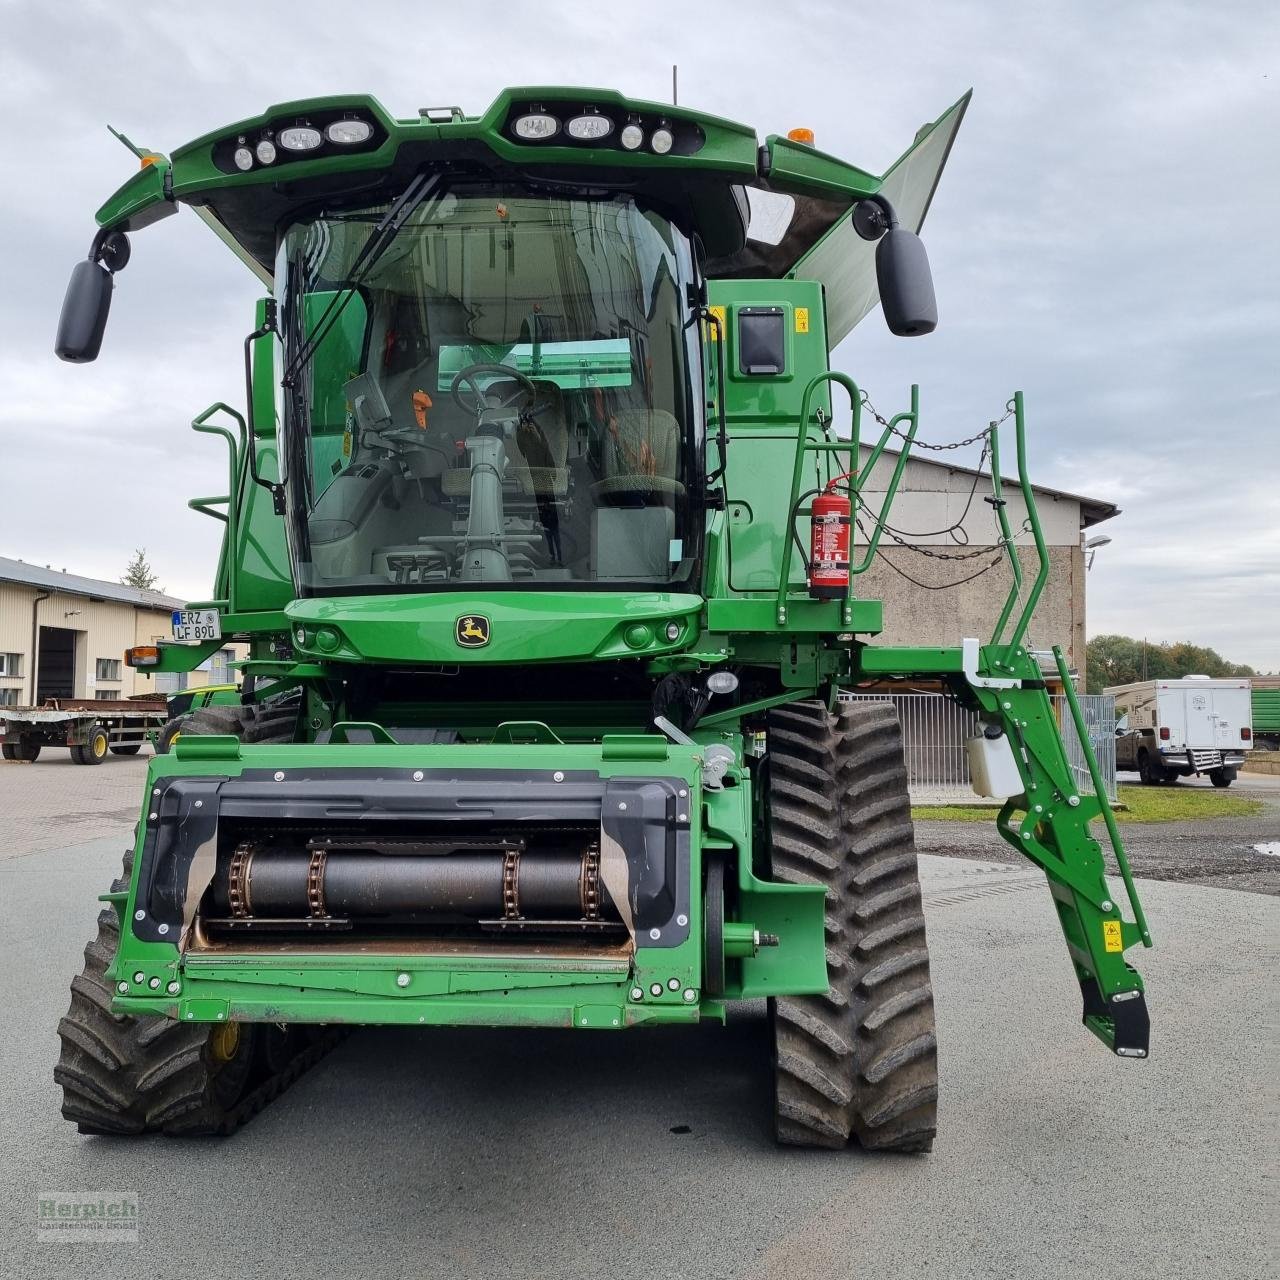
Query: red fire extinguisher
[{"x": 829, "y": 524}]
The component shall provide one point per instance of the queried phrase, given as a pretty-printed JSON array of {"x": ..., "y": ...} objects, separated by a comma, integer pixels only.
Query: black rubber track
[
  {"x": 861, "y": 1059},
  {"x": 127, "y": 1075}
]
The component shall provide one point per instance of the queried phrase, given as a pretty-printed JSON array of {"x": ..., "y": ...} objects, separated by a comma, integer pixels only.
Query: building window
[
  {"x": 108, "y": 668},
  {"x": 170, "y": 681},
  {"x": 10, "y": 664},
  {"x": 8, "y": 697},
  {"x": 220, "y": 667},
  {"x": 110, "y": 695}
]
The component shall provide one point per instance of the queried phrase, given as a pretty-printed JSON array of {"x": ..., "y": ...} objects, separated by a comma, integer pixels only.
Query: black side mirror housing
[
  {"x": 84, "y": 313},
  {"x": 906, "y": 284}
]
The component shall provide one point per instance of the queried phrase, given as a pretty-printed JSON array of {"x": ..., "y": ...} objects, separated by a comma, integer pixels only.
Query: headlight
[
  {"x": 266, "y": 150},
  {"x": 722, "y": 682},
  {"x": 661, "y": 140},
  {"x": 243, "y": 158},
  {"x": 589, "y": 128},
  {"x": 347, "y": 133},
  {"x": 632, "y": 137},
  {"x": 536, "y": 126},
  {"x": 300, "y": 137}
]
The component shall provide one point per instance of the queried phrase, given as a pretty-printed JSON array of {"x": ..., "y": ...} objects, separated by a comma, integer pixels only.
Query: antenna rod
[{"x": 675, "y": 96}]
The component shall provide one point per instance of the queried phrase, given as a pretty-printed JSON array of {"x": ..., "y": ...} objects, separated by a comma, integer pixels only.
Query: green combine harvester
[{"x": 543, "y": 525}]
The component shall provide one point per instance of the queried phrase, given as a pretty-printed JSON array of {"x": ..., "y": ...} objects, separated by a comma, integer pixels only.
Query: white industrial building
[
  {"x": 64, "y": 636},
  {"x": 940, "y": 510}
]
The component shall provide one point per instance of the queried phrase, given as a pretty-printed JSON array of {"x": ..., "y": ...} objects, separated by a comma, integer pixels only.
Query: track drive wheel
[{"x": 862, "y": 1058}]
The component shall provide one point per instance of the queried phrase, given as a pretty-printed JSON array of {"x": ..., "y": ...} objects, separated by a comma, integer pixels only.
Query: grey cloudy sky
[{"x": 1103, "y": 238}]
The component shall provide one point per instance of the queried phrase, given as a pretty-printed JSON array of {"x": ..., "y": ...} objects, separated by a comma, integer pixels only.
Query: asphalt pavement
[{"x": 513, "y": 1153}]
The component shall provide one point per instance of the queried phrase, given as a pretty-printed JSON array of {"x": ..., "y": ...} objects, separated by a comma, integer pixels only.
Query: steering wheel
[{"x": 468, "y": 376}]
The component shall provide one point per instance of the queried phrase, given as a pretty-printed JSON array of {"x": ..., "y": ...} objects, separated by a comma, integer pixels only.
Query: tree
[
  {"x": 1112, "y": 660},
  {"x": 140, "y": 573}
]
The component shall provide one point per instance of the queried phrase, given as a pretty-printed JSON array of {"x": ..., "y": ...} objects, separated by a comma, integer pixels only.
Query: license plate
[{"x": 190, "y": 626}]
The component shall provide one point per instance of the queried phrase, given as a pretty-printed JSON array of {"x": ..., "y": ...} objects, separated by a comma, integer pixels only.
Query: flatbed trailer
[{"x": 91, "y": 727}]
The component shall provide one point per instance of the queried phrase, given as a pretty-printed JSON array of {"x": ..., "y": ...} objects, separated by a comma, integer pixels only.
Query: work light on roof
[
  {"x": 243, "y": 158},
  {"x": 536, "y": 126},
  {"x": 299, "y": 137},
  {"x": 589, "y": 127},
  {"x": 266, "y": 151},
  {"x": 632, "y": 136},
  {"x": 662, "y": 139},
  {"x": 348, "y": 133}
]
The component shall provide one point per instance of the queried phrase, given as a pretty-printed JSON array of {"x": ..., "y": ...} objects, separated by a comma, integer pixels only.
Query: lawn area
[{"x": 1140, "y": 804}]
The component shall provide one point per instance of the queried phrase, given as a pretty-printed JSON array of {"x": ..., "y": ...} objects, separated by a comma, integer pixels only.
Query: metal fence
[{"x": 935, "y": 729}]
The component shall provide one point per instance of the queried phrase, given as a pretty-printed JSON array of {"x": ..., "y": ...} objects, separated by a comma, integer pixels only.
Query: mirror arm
[{"x": 274, "y": 487}]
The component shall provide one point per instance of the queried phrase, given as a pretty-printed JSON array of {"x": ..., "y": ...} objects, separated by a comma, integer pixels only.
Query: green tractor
[{"x": 544, "y": 538}]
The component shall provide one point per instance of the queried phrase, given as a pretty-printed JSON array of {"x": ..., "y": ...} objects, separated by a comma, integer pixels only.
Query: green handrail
[
  {"x": 997, "y": 491},
  {"x": 237, "y": 452},
  {"x": 1104, "y": 804},
  {"x": 803, "y": 443},
  {"x": 913, "y": 416},
  {"x": 1033, "y": 519}
]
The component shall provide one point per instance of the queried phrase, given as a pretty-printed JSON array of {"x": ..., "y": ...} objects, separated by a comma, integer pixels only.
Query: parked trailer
[
  {"x": 91, "y": 727},
  {"x": 1266, "y": 712}
]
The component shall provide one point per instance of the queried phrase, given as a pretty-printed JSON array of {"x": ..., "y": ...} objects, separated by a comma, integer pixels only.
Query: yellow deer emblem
[{"x": 472, "y": 630}]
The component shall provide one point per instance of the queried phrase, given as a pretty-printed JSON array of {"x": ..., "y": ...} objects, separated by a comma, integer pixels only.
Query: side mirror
[
  {"x": 84, "y": 313},
  {"x": 88, "y": 299},
  {"x": 906, "y": 284},
  {"x": 902, "y": 269}
]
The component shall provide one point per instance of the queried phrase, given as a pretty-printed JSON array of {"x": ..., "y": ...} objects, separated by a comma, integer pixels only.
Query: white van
[{"x": 1167, "y": 729}]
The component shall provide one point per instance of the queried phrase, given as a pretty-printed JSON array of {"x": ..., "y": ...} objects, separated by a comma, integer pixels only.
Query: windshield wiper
[{"x": 379, "y": 241}]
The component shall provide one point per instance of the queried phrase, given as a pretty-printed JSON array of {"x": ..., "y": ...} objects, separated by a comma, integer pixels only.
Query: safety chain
[{"x": 937, "y": 448}]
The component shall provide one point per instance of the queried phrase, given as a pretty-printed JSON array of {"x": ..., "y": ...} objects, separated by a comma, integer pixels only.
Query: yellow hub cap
[
  {"x": 100, "y": 746},
  {"x": 224, "y": 1042}
]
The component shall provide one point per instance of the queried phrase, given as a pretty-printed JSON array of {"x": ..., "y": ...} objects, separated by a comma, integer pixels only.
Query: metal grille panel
[{"x": 935, "y": 729}]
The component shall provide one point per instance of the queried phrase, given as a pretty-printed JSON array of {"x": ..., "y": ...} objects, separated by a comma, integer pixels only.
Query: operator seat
[
  {"x": 641, "y": 454},
  {"x": 634, "y": 521}
]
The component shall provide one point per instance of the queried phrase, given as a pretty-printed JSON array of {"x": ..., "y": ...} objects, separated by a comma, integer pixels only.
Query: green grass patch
[{"x": 1141, "y": 804}]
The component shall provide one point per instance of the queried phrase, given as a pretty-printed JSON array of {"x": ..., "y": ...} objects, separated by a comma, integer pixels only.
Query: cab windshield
[{"x": 499, "y": 393}]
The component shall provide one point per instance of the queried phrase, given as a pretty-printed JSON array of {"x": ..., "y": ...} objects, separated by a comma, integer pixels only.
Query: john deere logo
[{"x": 471, "y": 631}]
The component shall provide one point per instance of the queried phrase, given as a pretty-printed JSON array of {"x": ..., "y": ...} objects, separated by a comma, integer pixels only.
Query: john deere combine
[{"x": 544, "y": 531}]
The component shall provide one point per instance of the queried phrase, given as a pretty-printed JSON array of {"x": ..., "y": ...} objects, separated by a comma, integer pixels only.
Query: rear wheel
[
  {"x": 126, "y": 749},
  {"x": 169, "y": 734},
  {"x": 862, "y": 1058},
  {"x": 21, "y": 750},
  {"x": 95, "y": 748},
  {"x": 1149, "y": 770},
  {"x": 1222, "y": 777}
]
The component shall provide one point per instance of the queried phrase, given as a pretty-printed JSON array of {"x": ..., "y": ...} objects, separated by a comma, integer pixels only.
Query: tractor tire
[
  {"x": 274, "y": 721},
  {"x": 94, "y": 751},
  {"x": 862, "y": 1058},
  {"x": 127, "y": 749},
  {"x": 28, "y": 751},
  {"x": 125, "y": 1075},
  {"x": 169, "y": 734}
]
